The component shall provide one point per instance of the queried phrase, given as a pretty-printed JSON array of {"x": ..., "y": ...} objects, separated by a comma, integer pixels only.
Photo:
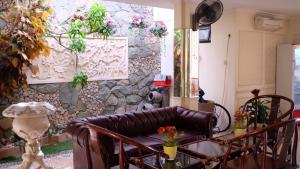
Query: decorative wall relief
[
  {"x": 58, "y": 67},
  {"x": 103, "y": 60}
]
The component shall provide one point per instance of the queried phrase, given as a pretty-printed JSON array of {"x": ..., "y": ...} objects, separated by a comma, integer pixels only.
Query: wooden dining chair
[
  {"x": 255, "y": 156},
  {"x": 124, "y": 160},
  {"x": 278, "y": 108}
]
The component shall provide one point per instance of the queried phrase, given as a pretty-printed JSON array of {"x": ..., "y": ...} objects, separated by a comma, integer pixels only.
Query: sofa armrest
[
  {"x": 195, "y": 120},
  {"x": 123, "y": 159},
  {"x": 79, "y": 136}
]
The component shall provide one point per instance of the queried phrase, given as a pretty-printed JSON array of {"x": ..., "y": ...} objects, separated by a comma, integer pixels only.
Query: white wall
[
  {"x": 256, "y": 61},
  {"x": 294, "y": 29},
  {"x": 213, "y": 61},
  {"x": 251, "y": 60}
]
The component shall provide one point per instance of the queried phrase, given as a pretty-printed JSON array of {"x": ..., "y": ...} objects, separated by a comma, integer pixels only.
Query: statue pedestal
[{"x": 30, "y": 123}]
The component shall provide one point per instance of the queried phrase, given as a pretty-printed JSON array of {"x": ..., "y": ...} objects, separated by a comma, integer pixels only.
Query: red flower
[
  {"x": 171, "y": 133},
  {"x": 161, "y": 130}
]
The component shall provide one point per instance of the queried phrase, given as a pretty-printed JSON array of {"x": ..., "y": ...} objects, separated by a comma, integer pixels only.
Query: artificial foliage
[
  {"x": 83, "y": 23},
  {"x": 23, "y": 41},
  {"x": 259, "y": 108},
  {"x": 108, "y": 29},
  {"x": 80, "y": 79}
]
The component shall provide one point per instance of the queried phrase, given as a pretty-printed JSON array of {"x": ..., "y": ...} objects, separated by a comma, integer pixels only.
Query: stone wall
[{"x": 103, "y": 97}]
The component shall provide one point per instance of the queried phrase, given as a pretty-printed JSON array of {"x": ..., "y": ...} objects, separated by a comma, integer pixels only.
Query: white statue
[{"x": 30, "y": 123}]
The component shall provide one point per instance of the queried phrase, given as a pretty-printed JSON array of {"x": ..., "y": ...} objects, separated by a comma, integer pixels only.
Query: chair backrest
[
  {"x": 287, "y": 138},
  {"x": 242, "y": 144},
  {"x": 95, "y": 131},
  {"x": 278, "y": 108}
]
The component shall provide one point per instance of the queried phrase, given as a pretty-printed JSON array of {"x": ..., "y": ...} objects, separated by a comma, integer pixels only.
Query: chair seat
[
  {"x": 251, "y": 163},
  {"x": 130, "y": 167}
]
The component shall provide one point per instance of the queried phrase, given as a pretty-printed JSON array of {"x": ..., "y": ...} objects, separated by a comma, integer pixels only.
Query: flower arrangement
[
  {"x": 159, "y": 29},
  {"x": 170, "y": 134},
  {"x": 108, "y": 29},
  {"x": 241, "y": 119},
  {"x": 138, "y": 21}
]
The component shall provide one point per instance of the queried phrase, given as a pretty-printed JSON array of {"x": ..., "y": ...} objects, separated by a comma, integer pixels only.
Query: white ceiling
[{"x": 286, "y": 7}]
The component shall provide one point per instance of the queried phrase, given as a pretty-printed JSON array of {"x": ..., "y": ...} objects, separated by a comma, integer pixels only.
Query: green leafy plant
[
  {"x": 77, "y": 45},
  {"x": 91, "y": 22},
  {"x": 77, "y": 35},
  {"x": 108, "y": 29},
  {"x": 79, "y": 79},
  {"x": 260, "y": 107},
  {"x": 82, "y": 24},
  {"x": 95, "y": 18}
]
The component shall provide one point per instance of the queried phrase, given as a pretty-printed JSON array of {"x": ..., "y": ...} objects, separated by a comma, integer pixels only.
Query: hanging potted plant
[
  {"x": 137, "y": 23},
  {"x": 159, "y": 29},
  {"x": 169, "y": 134},
  {"x": 109, "y": 28}
]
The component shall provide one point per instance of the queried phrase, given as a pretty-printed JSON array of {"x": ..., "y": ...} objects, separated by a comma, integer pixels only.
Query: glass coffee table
[
  {"x": 212, "y": 150},
  {"x": 182, "y": 161},
  {"x": 209, "y": 150}
]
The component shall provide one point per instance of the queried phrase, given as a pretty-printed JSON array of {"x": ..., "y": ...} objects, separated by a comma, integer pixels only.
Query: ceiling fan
[{"x": 207, "y": 13}]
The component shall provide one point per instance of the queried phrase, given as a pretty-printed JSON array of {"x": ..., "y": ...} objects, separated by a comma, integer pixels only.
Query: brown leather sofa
[{"x": 140, "y": 127}]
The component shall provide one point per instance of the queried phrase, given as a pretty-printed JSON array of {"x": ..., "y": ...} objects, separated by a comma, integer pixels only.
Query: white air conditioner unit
[{"x": 268, "y": 22}]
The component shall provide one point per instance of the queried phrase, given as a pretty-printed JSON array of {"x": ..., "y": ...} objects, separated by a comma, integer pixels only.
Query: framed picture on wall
[{"x": 204, "y": 34}]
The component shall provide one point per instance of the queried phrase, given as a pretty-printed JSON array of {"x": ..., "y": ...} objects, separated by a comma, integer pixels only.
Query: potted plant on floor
[
  {"x": 169, "y": 134},
  {"x": 240, "y": 122}
]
